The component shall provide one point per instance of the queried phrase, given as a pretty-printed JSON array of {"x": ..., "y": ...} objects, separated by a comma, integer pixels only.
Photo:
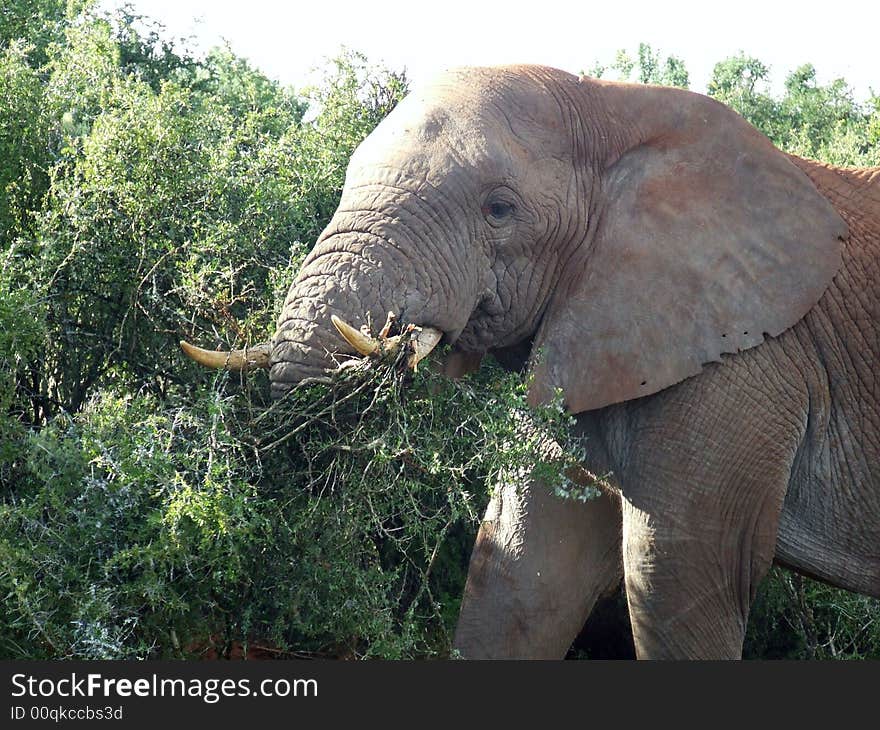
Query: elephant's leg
[
  {"x": 702, "y": 492},
  {"x": 537, "y": 568},
  {"x": 689, "y": 588}
]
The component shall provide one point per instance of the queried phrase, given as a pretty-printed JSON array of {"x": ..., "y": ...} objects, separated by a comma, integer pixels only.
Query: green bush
[
  {"x": 139, "y": 518},
  {"x": 22, "y": 340},
  {"x": 128, "y": 530},
  {"x": 142, "y": 530},
  {"x": 797, "y": 618},
  {"x": 24, "y": 142}
]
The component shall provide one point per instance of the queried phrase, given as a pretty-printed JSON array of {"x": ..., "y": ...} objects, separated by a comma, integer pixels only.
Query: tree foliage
[
  {"x": 811, "y": 120},
  {"x": 648, "y": 67},
  {"x": 150, "y": 509}
]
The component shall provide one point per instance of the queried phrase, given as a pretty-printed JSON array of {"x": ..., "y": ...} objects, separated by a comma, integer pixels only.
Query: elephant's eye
[{"x": 498, "y": 210}]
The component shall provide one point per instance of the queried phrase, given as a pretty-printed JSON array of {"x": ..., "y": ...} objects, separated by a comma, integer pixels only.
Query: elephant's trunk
[
  {"x": 358, "y": 274},
  {"x": 387, "y": 250}
]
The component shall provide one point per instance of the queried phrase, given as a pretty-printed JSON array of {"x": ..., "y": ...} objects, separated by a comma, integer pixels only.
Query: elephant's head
[{"x": 631, "y": 234}]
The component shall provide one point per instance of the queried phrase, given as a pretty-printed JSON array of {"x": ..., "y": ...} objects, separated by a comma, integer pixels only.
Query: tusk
[
  {"x": 251, "y": 358},
  {"x": 423, "y": 341},
  {"x": 357, "y": 339}
]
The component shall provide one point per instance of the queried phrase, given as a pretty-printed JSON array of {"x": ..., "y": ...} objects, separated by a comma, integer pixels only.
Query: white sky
[{"x": 288, "y": 39}]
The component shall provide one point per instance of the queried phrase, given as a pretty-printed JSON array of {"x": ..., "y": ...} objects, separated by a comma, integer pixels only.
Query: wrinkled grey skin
[
  {"x": 731, "y": 391},
  {"x": 410, "y": 236}
]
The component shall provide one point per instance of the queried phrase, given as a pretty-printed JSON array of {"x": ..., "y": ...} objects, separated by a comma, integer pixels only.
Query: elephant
[{"x": 705, "y": 305}]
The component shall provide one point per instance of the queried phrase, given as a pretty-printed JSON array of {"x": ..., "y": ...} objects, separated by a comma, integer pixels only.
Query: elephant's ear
[{"x": 707, "y": 240}]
